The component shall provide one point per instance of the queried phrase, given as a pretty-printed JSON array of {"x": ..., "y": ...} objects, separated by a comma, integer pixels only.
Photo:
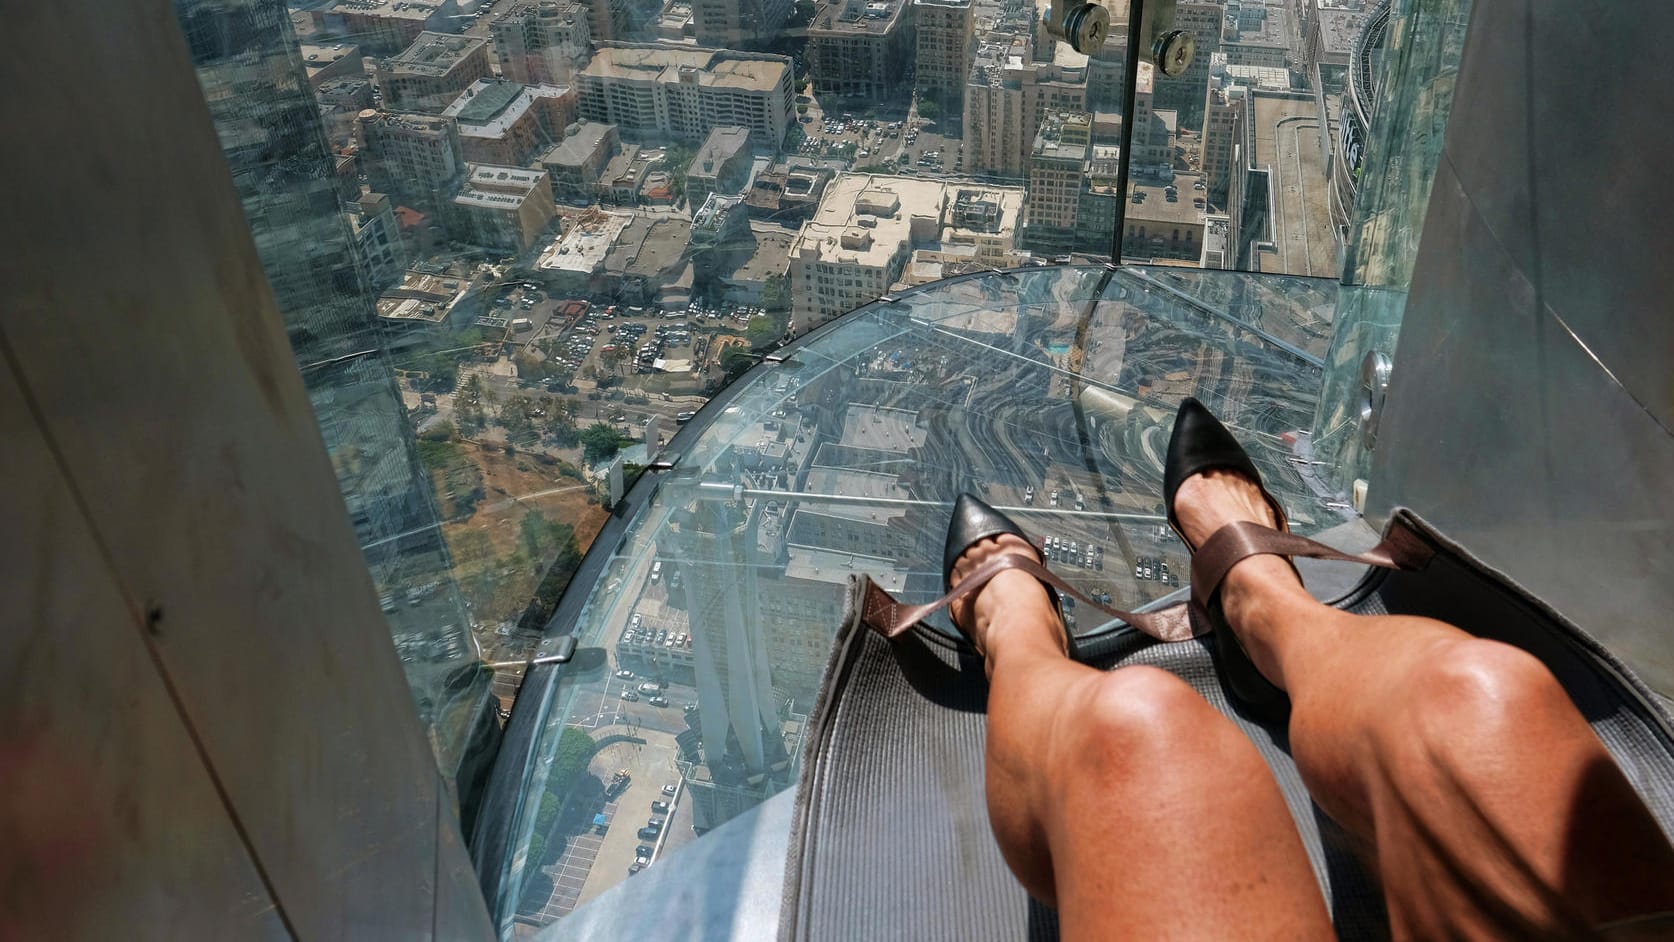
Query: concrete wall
[
  {"x": 1532, "y": 400},
  {"x": 204, "y": 729}
]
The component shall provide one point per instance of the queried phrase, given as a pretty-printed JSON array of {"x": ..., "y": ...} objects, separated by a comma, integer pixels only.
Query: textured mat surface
[{"x": 892, "y": 838}]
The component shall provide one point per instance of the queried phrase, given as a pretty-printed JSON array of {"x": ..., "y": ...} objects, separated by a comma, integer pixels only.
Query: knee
[
  {"x": 1471, "y": 692},
  {"x": 1127, "y": 712}
]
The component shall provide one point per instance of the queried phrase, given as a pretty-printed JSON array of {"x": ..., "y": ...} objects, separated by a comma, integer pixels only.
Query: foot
[
  {"x": 1012, "y": 605},
  {"x": 1214, "y": 498}
]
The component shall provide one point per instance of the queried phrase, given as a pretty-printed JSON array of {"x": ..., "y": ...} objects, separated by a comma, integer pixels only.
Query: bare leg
[
  {"x": 1122, "y": 798},
  {"x": 1493, "y": 809}
]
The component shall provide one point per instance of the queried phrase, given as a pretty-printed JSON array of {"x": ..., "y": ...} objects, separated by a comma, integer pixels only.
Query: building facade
[
  {"x": 504, "y": 208},
  {"x": 415, "y": 158},
  {"x": 861, "y": 49},
  {"x": 542, "y": 42},
  {"x": 507, "y": 123},
  {"x": 432, "y": 71},
  {"x": 738, "y": 24},
  {"x": 1057, "y": 167},
  {"x": 946, "y": 30},
  {"x": 655, "y": 92}
]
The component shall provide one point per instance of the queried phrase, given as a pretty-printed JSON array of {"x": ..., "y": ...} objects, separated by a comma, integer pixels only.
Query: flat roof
[
  {"x": 317, "y": 56},
  {"x": 583, "y": 248},
  {"x": 816, "y": 564},
  {"x": 1287, "y": 142},
  {"x": 484, "y": 100},
  {"x": 1338, "y": 30},
  {"x": 580, "y": 141},
  {"x": 422, "y": 296},
  {"x": 769, "y": 258},
  {"x": 649, "y": 245},
  {"x": 853, "y": 482},
  {"x": 882, "y": 429},
  {"x": 1157, "y": 208},
  {"x": 498, "y": 177},
  {"x": 867, "y": 218},
  {"x": 398, "y": 9},
  {"x": 721, "y": 144},
  {"x": 1271, "y": 31},
  {"x": 433, "y": 53},
  {"x": 708, "y": 68},
  {"x": 858, "y": 16}
]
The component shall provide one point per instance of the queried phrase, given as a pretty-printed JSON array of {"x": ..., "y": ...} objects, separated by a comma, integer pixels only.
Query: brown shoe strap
[
  {"x": 1237, "y": 541},
  {"x": 884, "y": 614}
]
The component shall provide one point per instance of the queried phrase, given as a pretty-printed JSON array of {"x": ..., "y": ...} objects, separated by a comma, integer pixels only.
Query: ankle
[{"x": 1260, "y": 596}]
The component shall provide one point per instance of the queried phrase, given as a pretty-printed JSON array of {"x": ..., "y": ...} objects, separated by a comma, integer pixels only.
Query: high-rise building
[
  {"x": 504, "y": 122},
  {"x": 415, "y": 158},
  {"x": 721, "y": 165},
  {"x": 738, "y": 24},
  {"x": 542, "y": 41},
  {"x": 1057, "y": 166},
  {"x": 861, "y": 49},
  {"x": 653, "y": 91},
  {"x": 383, "y": 27},
  {"x": 869, "y": 227},
  {"x": 1107, "y": 70},
  {"x": 1183, "y": 94},
  {"x": 945, "y": 33},
  {"x": 372, "y": 220},
  {"x": 1006, "y": 94},
  {"x": 503, "y": 207},
  {"x": 1222, "y": 109},
  {"x": 432, "y": 71},
  {"x": 265, "y": 114},
  {"x": 742, "y": 751}
]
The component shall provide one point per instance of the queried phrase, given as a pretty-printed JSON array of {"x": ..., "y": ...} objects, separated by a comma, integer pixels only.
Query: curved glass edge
[{"x": 1050, "y": 391}]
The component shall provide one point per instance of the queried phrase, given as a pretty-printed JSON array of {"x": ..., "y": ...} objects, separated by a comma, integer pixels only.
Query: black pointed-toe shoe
[
  {"x": 974, "y": 521},
  {"x": 1200, "y": 443}
]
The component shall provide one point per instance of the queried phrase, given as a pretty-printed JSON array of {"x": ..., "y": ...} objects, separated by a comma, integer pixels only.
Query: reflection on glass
[
  {"x": 320, "y": 262},
  {"x": 1049, "y": 391}
]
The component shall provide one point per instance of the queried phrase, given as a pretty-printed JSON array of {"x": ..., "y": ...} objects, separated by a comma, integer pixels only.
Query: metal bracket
[{"x": 1374, "y": 390}]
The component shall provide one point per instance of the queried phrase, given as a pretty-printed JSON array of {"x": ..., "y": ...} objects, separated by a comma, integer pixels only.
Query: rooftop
[
  {"x": 858, "y": 16},
  {"x": 490, "y": 106},
  {"x": 649, "y": 245},
  {"x": 1339, "y": 29},
  {"x": 492, "y": 176},
  {"x": 710, "y": 68},
  {"x": 433, "y": 54},
  {"x": 1268, "y": 28},
  {"x": 1156, "y": 208},
  {"x": 583, "y": 247},
  {"x": 867, "y": 218},
  {"x": 580, "y": 141},
  {"x": 423, "y": 296},
  {"x": 722, "y": 144},
  {"x": 881, "y": 428},
  {"x": 317, "y": 56},
  {"x": 483, "y": 100},
  {"x": 1286, "y": 140},
  {"x": 397, "y": 9}
]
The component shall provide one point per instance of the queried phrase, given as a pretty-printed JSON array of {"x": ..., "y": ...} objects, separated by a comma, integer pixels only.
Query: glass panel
[
  {"x": 1049, "y": 391},
  {"x": 1398, "y": 99},
  {"x": 324, "y": 279}
]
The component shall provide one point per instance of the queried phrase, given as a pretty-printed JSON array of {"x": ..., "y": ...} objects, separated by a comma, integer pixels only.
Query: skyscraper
[{"x": 268, "y": 122}]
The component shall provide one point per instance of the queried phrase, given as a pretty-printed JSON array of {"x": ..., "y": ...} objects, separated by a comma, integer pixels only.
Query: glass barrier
[{"x": 1050, "y": 392}]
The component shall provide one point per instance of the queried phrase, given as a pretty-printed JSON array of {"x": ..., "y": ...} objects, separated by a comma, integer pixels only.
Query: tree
[
  {"x": 775, "y": 293},
  {"x": 599, "y": 441},
  {"x": 928, "y": 109},
  {"x": 736, "y": 360},
  {"x": 763, "y": 331}
]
